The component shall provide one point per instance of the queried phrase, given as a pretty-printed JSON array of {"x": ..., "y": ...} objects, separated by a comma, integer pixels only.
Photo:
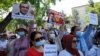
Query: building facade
[{"x": 80, "y": 13}]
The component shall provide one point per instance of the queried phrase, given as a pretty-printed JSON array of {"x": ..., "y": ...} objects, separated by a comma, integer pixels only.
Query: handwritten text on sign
[
  {"x": 50, "y": 50},
  {"x": 93, "y": 19}
]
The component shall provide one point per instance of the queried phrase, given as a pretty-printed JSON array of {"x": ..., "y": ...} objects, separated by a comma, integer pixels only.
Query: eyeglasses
[
  {"x": 38, "y": 39},
  {"x": 75, "y": 41},
  {"x": 25, "y": 7}
]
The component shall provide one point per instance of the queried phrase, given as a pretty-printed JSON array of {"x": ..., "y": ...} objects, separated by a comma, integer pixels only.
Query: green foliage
[
  {"x": 40, "y": 11},
  {"x": 95, "y": 9},
  {"x": 6, "y": 4},
  {"x": 1, "y": 19},
  {"x": 14, "y": 24}
]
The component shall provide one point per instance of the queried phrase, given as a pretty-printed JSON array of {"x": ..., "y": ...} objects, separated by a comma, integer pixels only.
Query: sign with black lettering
[{"x": 50, "y": 50}]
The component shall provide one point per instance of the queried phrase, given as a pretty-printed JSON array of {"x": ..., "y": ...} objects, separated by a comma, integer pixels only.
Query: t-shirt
[
  {"x": 94, "y": 51},
  {"x": 33, "y": 52}
]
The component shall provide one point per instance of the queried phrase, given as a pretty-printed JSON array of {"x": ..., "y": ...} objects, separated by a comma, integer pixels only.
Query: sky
[{"x": 66, "y": 5}]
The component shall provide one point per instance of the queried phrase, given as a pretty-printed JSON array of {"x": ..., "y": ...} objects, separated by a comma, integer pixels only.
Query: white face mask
[{"x": 52, "y": 36}]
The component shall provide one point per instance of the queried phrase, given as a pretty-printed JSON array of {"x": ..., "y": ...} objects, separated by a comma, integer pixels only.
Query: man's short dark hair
[
  {"x": 21, "y": 29},
  {"x": 23, "y": 3},
  {"x": 73, "y": 28}
]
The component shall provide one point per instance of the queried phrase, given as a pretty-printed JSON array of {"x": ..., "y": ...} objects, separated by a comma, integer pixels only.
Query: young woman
[
  {"x": 37, "y": 41},
  {"x": 70, "y": 45}
]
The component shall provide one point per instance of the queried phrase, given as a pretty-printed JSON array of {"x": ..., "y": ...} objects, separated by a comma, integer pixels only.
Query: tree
[
  {"x": 39, "y": 12},
  {"x": 95, "y": 9}
]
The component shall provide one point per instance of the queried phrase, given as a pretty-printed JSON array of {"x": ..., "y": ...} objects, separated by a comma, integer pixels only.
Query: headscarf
[{"x": 68, "y": 45}]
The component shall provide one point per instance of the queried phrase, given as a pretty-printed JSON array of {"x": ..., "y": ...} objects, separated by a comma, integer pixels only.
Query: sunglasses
[
  {"x": 75, "y": 41},
  {"x": 38, "y": 39}
]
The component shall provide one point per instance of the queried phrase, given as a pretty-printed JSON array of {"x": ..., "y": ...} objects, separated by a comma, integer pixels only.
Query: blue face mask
[
  {"x": 65, "y": 33},
  {"x": 79, "y": 33},
  {"x": 40, "y": 43},
  {"x": 21, "y": 34}
]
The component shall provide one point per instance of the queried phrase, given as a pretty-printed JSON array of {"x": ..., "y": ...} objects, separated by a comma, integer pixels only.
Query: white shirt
[
  {"x": 94, "y": 51},
  {"x": 66, "y": 53}
]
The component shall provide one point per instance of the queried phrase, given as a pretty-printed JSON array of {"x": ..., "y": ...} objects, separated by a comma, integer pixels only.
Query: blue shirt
[
  {"x": 82, "y": 45},
  {"x": 94, "y": 51}
]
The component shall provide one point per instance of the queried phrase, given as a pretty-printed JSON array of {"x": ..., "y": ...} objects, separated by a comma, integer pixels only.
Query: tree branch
[{"x": 5, "y": 22}]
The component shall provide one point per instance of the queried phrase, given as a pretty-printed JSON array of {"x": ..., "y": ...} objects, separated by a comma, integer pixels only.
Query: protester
[
  {"x": 70, "y": 47},
  {"x": 38, "y": 42},
  {"x": 10, "y": 48},
  {"x": 52, "y": 37},
  {"x": 95, "y": 50},
  {"x": 3, "y": 45},
  {"x": 74, "y": 29},
  {"x": 21, "y": 44},
  {"x": 90, "y": 38},
  {"x": 83, "y": 39}
]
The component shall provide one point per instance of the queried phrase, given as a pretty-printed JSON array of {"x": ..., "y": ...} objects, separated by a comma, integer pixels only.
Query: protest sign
[
  {"x": 93, "y": 19},
  {"x": 50, "y": 50},
  {"x": 22, "y": 11},
  {"x": 55, "y": 17}
]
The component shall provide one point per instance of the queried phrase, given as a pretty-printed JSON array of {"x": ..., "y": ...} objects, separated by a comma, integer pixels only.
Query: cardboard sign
[
  {"x": 93, "y": 19},
  {"x": 50, "y": 50},
  {"x": 22, "y": 11}
]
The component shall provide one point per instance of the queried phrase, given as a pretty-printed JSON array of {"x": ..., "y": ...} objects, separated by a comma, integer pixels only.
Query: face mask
[
  {"x": 52, "y": 36},
  {"x": 65, "y": 33},
  {"x": 40, "y": 43},
  {"x": 78, "y": 33},
  {"x": 21, "y": 34}
]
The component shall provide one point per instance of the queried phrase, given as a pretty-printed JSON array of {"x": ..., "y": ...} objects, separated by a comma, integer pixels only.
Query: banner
[
  {"x": 22, "y": 11},
  {"x": 50, "y": 50}
]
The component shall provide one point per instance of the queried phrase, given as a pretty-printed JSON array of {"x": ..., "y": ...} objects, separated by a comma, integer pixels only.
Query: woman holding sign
[
  {"x": 37, "y": 44},
  {"x": 70, "y": 47}
]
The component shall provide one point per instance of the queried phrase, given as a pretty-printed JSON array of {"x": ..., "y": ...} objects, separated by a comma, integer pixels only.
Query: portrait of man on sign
[
  {"x": 55, "y": 17},
  {"x": 24, "y": 8},
  {"x": 22, "y": 11},
  {"x": 51, "y": 18}
]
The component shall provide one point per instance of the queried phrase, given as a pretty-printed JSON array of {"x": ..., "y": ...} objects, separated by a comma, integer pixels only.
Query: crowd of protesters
[{"x": 74, "y": 43}]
